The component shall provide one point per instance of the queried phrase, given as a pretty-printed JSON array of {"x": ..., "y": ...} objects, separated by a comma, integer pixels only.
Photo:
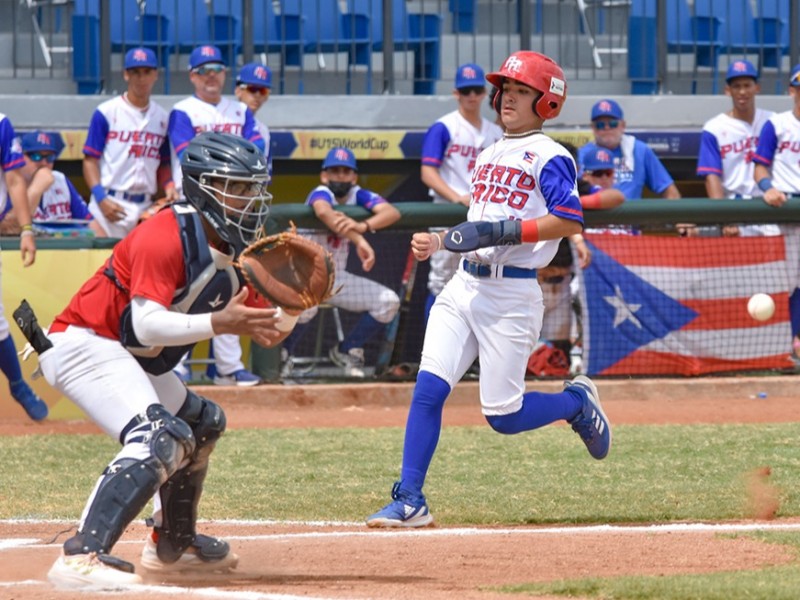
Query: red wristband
[
  {"x": 530, "y": 231},
  {"x": 591, "y": 201}
]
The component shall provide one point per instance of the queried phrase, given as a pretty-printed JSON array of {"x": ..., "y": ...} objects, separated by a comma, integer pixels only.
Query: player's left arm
[
  {"x": 383, "y": 215},
  {"x": 17, "y": 192}
]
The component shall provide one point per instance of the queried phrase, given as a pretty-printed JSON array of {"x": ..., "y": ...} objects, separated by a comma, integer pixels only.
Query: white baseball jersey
[
  {"x": 130, "y": 142},
  {"x": 727, "y": 146},
  {"x": 508, "y": 182},
  {"x": 452, "y": 144},
  {"x": 499, "y": 318},
  {"x": 61, "y": 201},
  {"x": 192, "y": 116},
  {"x": 779, "y": 149}
]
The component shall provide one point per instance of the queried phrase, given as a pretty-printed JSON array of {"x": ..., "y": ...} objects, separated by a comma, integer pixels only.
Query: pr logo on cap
[
  {"x": 605, "y": 106},
  {"x": 469, "y": 73},
  {"x": 739, "y": 67},
  {"x": 260, "y": 73},
  {"x": 139, "y": 55},
  {"x": 603, "y": 156},
  {"x": 513, "y": 64},
  {"x": 208, "y": 51},
  {"x": 341, "y": 154}
]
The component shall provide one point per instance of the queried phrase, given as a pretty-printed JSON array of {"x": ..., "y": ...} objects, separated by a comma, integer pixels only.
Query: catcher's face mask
[{"x": 243, "y": 203}]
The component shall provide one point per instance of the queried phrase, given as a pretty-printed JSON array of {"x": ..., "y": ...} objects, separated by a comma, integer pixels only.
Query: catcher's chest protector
[{"x": 207, "y": 289}]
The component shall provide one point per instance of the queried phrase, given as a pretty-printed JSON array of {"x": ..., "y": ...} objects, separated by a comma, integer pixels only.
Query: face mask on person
[{"x": 340, "y": 188}]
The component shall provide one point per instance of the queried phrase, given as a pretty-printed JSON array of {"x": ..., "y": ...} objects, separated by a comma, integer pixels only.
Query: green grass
[{"x": 653, "y": 474}]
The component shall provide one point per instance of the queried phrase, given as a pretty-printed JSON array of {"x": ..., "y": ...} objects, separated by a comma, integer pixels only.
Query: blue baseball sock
[
  {"x": 422, "y": 430},
  {"x": 537, "y": 410},
  {"x": 428, "y": 305},
  {"x": 794, "y": 311},
  {"x": 9, "y": 361},
  {"x": 365, "y": 328}
]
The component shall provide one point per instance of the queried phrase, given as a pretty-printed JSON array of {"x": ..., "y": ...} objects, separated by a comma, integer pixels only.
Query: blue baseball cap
[
  {"x": 140, "y": 57},
  {"x": 794, "y": 78},
  {"x": 340, "y": 157},
  {"x": 202, "y": 55},
  {"x": 470, "y": 75},
  {"x": 606, "y": 108},
  {"x": 42, "y": 141},
  {"x": 255, "y": 74},
  {"x": 599, "y": 160},
  {"x": 741, "y": 68}
]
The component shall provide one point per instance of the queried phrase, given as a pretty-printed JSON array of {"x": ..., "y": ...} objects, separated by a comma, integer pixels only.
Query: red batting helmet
[
  {"x": 538, "y": 71},
  {"x": 548, "y": 361}
]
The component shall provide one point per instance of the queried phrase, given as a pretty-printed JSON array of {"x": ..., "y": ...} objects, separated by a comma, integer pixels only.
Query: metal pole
[
  {"x": 388, "y": 47},
  {"x": 105, "y": 45},
  {"x": 524, "y": 24},
  {"x": 247, "y": 31},
  {"x": 794, "y": 33},
  {"x": 661, "y": 44}
]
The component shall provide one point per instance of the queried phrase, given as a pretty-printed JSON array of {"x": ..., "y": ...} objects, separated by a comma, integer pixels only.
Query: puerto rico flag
[{"x": 678, "y": 306}]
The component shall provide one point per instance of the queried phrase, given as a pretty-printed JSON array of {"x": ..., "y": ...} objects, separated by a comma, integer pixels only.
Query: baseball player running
[
  {"x": 169, "y": 284},
  {"x": 126, "y": 153},
  {"x": 209, "y": 110},
  {"x": 524, "y": 199}
]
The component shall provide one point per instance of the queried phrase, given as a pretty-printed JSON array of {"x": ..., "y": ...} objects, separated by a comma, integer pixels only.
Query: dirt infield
[{"x": 283, "y": 560}]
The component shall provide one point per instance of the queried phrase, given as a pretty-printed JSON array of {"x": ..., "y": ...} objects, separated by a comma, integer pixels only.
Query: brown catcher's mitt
[{"x": 289, "y": 270}]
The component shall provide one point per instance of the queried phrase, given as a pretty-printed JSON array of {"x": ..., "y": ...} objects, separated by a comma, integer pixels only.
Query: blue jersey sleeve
[
  {"x": 77, "y": 205},
  {"x": 767, "y": 143},
  {"x": 320, "y": 193},
  {"x": 10, "y": 151},
  {"x": 250, "y": 131},
  {"x": 180, "y": 131},
  {"x": 709, "y": 160},
  {"x": 96, "y": 138},
  {"x": 368, "y": 199},
  {"x": 435, "y": 144},
  {"x": 657, "y": 177},
  {"x": 557, "y": 182}
]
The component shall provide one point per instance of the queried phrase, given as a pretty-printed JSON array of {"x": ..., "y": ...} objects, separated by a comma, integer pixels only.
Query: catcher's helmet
[
  {"x": 538, "y": 71},
  {"x": 225, "y": 177}
]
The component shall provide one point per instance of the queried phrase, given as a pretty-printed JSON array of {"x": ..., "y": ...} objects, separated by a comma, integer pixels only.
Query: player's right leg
[
  {"x": 106, "y": 382},
  {"x": 153, "y": 447}
]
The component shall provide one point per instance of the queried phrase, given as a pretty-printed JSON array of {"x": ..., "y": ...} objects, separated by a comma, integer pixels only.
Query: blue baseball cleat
[
  {"x": 406, "y": 510},
  {"x": 591, "y": 422},
  {"x": 33, "y": 405}
]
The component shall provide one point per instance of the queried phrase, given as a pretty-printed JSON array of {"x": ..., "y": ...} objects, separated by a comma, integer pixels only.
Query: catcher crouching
[{"x": 169, "y": 284}]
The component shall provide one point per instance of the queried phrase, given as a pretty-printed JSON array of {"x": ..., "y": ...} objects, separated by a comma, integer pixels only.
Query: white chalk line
[{"x": 11, "y": 543}]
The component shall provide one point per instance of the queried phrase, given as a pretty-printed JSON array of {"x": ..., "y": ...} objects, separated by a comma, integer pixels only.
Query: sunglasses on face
[
  {"x": 475, "y": 89},
  {"x": 37, "y": 156},
  {"x": 606, "y": 124},
  {"x": 254, "y": 89},
  {"x": 601, "y": 173},
  {"x": 206, "y": 69}
]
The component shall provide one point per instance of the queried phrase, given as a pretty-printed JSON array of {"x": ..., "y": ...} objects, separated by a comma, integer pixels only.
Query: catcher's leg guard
[
  {"x": 154, "y": 446},
  {"x": 180, "y": 495}
]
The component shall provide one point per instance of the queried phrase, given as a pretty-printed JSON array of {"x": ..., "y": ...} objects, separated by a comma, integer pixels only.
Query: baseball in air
[{"x": 761, "y": 307}]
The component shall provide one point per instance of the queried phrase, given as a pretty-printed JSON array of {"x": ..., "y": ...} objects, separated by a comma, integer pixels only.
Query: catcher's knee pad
[
  {"x": 180, "y": 495},
  {"x": 154, "y": 445}
]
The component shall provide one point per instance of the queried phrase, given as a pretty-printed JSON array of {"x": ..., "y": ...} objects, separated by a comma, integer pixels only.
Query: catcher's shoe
[
  {"x": 205, "y": 554},
  {"x": 591, "y": 422},
  {"x": 406, "y": 510},
  {"x": 33, "y": 405},
  {"x": 351, "y": 361},
  {"x": 92, "y": 572},
  {"x": 241, "y": 378}
]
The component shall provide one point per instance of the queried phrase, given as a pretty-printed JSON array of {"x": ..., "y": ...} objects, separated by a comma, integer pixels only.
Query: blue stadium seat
[
  {"x": 324, "y": 29},
  {"x": 771, "y": 31},
  {"x": 86, "y": 46},
  {"x": 420, "y": 33}
]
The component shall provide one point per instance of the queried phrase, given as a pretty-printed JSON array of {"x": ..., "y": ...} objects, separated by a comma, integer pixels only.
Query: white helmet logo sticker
[
  {"x": 557, "y": 86},
  {"x": 513, "y": 64}
]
